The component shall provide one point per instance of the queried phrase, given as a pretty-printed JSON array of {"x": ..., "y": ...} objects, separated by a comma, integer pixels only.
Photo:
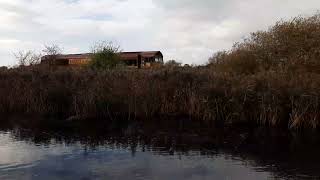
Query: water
[{"x": 26, "y": 154}]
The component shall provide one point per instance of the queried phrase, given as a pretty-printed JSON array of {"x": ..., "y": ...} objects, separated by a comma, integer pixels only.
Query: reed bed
[{"x": 265, "y": 98}]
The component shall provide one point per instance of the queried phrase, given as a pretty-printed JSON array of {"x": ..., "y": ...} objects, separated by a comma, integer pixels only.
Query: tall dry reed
[{"x": 265, "y": 98}]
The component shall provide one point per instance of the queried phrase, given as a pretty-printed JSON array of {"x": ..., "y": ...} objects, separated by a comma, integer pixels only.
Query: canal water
[{"x": 147, "y": 155}]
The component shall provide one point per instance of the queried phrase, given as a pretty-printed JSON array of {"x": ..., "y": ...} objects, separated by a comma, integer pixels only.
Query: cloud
[
  {"x": 185, "y": 30},
  {"x": 193, "y": 30},
  {"x": 72, "y": 24}
]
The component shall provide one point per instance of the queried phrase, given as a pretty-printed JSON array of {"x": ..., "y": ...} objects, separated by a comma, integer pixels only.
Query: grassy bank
[{"x": 272, "y": 78}]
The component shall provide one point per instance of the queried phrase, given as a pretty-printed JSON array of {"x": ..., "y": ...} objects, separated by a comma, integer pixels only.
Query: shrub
[
  {"x": 105, "y": 56},
  {"x": 289, "y": 45},
  {"x": 172, "y": 63}
]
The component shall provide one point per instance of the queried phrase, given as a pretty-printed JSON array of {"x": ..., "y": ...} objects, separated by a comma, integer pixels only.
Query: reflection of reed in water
[{"x": 271, "y": 151}]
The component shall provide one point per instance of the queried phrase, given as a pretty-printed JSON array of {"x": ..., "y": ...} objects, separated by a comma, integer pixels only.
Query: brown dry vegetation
[
  {"x": 271, "y": 79},
  {"x": 292, "y": 46},
  {"x": 267, "y": 98}
]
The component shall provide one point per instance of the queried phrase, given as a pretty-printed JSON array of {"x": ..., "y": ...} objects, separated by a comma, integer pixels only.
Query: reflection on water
[{"x": 25, "y": 154}]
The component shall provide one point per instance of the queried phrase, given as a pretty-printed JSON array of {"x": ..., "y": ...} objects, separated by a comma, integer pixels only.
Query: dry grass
[{"x": 265, "y": 98}]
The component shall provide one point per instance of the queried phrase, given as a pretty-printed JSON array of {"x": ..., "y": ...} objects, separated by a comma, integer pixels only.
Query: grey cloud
[
  {"x": 208, "y": 10},
  {"x": 17, "y": 9},
  {"x": 212, "y": 5},
  {"x": 193, "y": 30}
]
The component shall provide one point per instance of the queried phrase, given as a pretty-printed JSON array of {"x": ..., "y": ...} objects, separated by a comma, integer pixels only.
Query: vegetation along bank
[{"x": 272, "y": 78}]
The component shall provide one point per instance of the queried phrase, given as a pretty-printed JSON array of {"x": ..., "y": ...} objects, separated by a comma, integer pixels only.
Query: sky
[{"x": 188, "y": 31}]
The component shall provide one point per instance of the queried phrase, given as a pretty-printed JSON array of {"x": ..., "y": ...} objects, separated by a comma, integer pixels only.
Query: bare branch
[
  {"x": 52, "y": 50},
  {"x": 25, "y": 58}
]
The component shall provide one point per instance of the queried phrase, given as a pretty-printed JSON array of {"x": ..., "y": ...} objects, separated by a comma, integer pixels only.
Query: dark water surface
[{"x": 130, "y": 155}]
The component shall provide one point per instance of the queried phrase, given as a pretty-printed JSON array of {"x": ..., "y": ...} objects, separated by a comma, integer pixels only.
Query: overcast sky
[{"x": 186, "y": 30}]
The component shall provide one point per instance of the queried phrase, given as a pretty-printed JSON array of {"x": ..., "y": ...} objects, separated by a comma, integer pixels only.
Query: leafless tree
[
  {"x": 26, "y": 58},
  {"x": 52, "y": 50}
]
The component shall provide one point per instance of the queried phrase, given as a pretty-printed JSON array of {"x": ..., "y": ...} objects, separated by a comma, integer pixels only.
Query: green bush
[{"x": 105, "y": 56}]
